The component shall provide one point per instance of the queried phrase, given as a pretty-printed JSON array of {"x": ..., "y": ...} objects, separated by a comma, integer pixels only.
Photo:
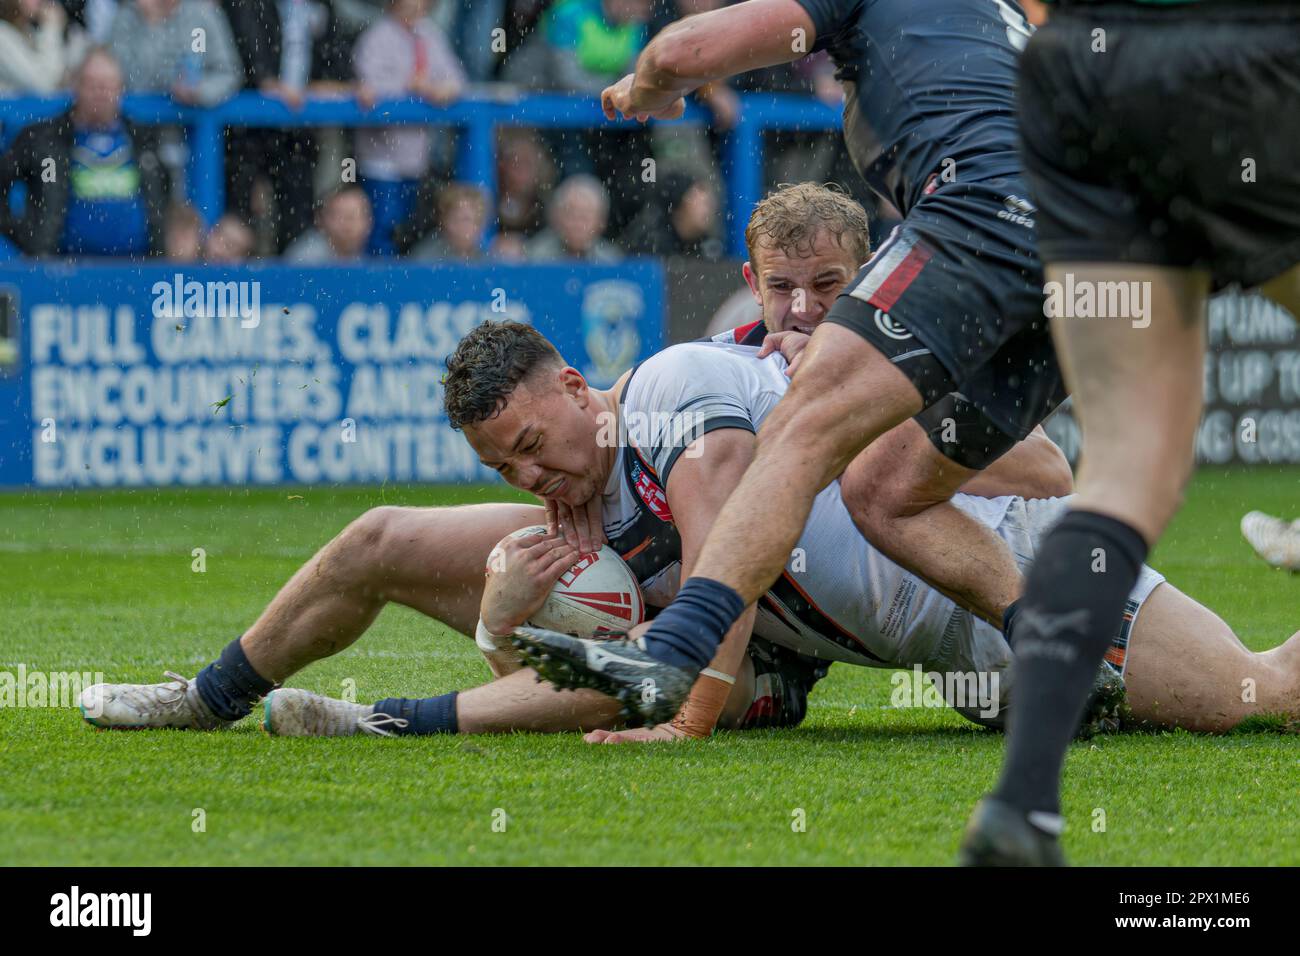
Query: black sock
[
  {"x": 229, "y": 685},
  {"x": 425, "y": 715},
  {"x": 1072, "y": 606}
]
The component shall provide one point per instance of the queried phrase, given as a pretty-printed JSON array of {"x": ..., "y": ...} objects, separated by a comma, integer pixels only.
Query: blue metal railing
[{"x": 476, "y": 117}]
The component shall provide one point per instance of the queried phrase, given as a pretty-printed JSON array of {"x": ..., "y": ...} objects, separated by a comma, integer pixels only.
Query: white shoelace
[
  {"x": 184, "y": 689},
  {"x": 378, "y": 724}
]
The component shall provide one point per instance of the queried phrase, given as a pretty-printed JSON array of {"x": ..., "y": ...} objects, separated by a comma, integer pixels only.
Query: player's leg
[
  {"x": 898, "y": 491},
  {"x": 899, "y": 487},
  {"x": 1137, "y": 394},
  {"x": 1186, "y": 668},
  {"x": 846, "y": 395},
  {"x": 519, "y": 702},
  {"x": 431, "y": 559}
]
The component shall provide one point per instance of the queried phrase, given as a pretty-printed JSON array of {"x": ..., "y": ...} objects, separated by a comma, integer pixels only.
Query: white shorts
[{"x": 972, "y": 646}]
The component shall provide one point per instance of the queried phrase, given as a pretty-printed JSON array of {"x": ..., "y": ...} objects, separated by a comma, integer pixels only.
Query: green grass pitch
[{"x": 101, "y": 581}]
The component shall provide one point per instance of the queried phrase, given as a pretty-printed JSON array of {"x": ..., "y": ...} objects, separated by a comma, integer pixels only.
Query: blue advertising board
[{"x": 127, "y": 376}]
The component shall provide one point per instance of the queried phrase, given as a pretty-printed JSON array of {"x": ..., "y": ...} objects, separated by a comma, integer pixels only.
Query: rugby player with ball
[{"x": 687, "y": 420}]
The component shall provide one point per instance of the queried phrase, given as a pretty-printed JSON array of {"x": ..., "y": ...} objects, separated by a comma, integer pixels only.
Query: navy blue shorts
[{"x": 954, "y": 299}]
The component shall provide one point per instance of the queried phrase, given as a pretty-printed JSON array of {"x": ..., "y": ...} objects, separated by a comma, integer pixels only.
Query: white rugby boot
[
  {"x": 290, "y": 712},
  {"x": 1274, "y": 540},
  {"x": 174, "y": 703}
]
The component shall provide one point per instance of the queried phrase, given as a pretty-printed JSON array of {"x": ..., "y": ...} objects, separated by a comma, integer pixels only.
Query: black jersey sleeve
[{"x": 832, "y": 19}]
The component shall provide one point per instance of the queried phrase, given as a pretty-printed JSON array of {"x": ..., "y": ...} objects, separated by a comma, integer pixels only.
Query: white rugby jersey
[{"x": 838, "y": 598}]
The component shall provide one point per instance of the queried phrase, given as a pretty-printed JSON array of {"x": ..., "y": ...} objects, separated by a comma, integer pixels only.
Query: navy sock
[
  {"x": 1072, "y": 606},
  {"x": 1009, "y": 619},
  {"x": 229, "y": 685},
  {"x": 687, "y": 632},
  {"x": 425, "y": 715}
]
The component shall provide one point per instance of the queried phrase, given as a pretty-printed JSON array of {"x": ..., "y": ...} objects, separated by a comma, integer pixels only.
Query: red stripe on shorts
[{"x": 892, "y": 289}]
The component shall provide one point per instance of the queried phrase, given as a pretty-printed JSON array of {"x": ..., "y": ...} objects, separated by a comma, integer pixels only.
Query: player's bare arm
[
  {"x": 698, "y": 487},
  {"x": 689, "y": 53},
  {"x": 1033, "y": 468}
]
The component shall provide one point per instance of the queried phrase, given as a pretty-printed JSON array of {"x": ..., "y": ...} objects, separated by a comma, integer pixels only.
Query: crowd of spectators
[{"x": 90, "y": 182}]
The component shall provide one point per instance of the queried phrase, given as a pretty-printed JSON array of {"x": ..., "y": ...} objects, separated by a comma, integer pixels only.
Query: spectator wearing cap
[
  {"x": 31, "y": 46},
  {"x": 577, "y": 215},
  {"x": 403, "y": 53},
  {"x": 108, "y": 192},
  {"x": 343, "y": 228},
  {"x": 462, "y": 215}
]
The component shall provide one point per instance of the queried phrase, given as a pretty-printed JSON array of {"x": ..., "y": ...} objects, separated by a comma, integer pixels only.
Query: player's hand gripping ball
[{"x": 542, "y": 581}]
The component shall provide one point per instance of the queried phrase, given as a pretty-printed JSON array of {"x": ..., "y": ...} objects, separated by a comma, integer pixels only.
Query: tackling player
[
  {"x": 1160, "y": 141},
  {"x": 803, "y": 238},
  {"x": 686, "y": 420},
  {"x": 948, "y": 309}
]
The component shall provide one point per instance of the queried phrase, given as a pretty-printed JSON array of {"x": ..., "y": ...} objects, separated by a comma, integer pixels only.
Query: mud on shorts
[{"x": 783, "y": 680}]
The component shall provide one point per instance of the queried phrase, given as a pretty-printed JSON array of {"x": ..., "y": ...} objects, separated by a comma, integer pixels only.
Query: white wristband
[
  {"x": 488, "y": 642},
  {"x": 717, "y": 675}
]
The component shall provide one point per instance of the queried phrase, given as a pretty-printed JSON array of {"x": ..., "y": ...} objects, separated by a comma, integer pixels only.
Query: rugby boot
[
  {"x": 1273, "y": 539},
  {"x": 290, "y": 712},
  {"x": 645, "y": 686},
  {"x": 998, "y": 834},
  {"x": 174, "y": 703}
]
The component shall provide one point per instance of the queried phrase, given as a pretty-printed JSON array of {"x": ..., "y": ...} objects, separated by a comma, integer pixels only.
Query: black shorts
[
  {"x": 962, "y": 316},
  {"x": 783, "y": 680},
  {"x": 1177, "y": 146}
]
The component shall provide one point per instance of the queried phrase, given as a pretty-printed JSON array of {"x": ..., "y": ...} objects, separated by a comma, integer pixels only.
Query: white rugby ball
[{"x": 599, "y": 593}]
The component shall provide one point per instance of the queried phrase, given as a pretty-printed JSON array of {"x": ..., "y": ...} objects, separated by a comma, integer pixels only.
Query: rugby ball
[{"x": 599, "y": 593}]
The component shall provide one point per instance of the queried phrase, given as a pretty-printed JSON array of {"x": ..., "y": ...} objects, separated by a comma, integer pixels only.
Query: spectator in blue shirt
[{"x": 95, "y": 185}]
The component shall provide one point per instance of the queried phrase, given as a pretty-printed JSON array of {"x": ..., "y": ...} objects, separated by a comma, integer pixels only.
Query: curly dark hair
[{"x": 488, "y": 364}]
